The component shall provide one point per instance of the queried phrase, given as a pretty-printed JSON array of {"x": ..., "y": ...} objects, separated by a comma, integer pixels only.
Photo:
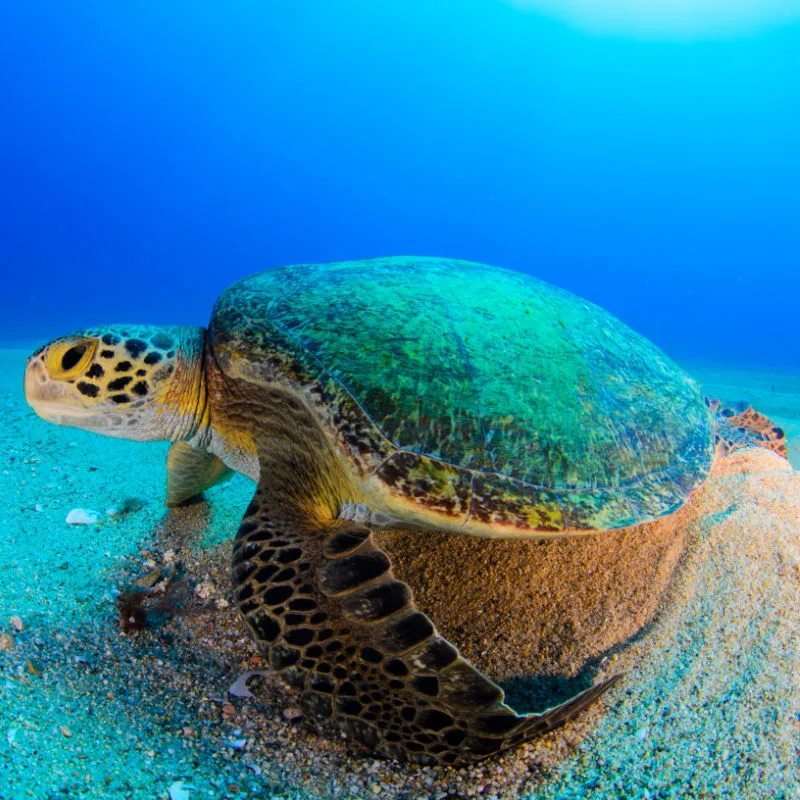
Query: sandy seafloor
[{"x": 709, "y": 705}]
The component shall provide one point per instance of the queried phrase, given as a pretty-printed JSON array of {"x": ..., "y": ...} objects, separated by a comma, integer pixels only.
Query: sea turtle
[{"x": 416, "y": 393}]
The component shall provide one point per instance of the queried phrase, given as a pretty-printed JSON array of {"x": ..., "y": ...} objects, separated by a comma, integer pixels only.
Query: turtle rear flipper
[
  {"x": 323, "y": 603},
  {"x": 740, "y": 425}
]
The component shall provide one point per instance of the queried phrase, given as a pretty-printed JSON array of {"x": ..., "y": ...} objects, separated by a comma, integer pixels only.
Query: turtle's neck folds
[{"x": 187, "y": 401}]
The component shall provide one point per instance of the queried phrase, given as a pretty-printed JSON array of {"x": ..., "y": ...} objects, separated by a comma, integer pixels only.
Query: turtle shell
[{"x": 474, "y": 397}]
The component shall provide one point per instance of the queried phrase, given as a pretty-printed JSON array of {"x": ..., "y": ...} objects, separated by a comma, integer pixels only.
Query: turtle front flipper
[
  {"x": 191, "y": 471},
  {"x": 322, "y": 602}
]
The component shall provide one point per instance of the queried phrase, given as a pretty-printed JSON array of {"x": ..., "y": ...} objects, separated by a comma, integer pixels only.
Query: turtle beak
[{"x": 51, "y": 400}]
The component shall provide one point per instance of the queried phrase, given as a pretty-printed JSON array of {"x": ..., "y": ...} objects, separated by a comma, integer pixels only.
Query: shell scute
[{"x": 432, "y": 484}]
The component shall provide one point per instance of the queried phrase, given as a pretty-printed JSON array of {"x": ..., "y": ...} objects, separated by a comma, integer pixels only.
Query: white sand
[{"x": 709, "y": 706}]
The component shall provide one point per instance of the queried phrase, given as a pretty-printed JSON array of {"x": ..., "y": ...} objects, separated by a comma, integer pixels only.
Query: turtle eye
[
  {"x": 73, "y": 356},
  {"x": 70, "y": 357}
]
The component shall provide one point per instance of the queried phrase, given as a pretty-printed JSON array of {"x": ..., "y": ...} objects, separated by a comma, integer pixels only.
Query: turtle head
[{"x": 142, "y": 382}]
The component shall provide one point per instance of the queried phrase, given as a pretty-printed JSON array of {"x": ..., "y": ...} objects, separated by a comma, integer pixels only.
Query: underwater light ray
[{"x": 669, "y": 18}]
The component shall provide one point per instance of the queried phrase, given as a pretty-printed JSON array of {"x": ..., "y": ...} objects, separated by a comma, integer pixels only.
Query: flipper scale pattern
[{"x": 323, "y": 603}]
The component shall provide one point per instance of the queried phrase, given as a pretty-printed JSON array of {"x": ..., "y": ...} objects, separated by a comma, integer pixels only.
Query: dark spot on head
[
  {"x": 140, "y": 388},
  {"x": 96, "y": 371},
  {"x": 110, "y": 338},
  {"x": 119, "y": 383},
  {"x": 120, "y": 398},
  {"x": 162, "y": 341},
  {"x": 163, "y": 372},
  {"x": 72, "y": 356},
  {"x": 135, "y": 347},
  {"x": 107, "y": 353},
  {"x": 171, "y": 354},
  {"x": 152, "y": 358},
  {"x": 141, "y": 372},
  {"x": 123, "y": 366},
  {"x": 89, "y": 389}
]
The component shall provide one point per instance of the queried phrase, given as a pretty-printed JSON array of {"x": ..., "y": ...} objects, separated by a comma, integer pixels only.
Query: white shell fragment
[
  {"x": 83, "y": 516},
  {"x": 179, "y": 791}
]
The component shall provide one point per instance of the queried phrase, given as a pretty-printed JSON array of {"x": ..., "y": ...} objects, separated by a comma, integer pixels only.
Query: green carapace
[{"x": 401, "y": 393}]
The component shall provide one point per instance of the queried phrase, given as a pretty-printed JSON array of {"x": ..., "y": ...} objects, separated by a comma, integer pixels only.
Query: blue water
[{"x": 151, "y": 153}]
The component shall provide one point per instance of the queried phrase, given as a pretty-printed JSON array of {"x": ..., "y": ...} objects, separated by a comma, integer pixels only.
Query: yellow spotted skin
[{"x": 134, "y": 381}]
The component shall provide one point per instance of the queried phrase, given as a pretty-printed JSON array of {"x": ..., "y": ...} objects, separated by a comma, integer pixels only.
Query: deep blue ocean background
[{"x": 153, "y": 152}]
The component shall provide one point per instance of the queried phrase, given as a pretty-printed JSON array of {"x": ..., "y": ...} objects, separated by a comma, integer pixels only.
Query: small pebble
[
  {"x": 66, "y": 731},
  {"x": 204, "y": 590},
  {"x": 149, "y": 580},
  {"x": 16, "y": 623},
  {"x": 33, "y": 668},
  {"x": 6, "y": 641},
  {"x": 292, "y": 712}
]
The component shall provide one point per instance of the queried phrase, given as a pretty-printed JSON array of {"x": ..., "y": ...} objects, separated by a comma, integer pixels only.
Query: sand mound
[
  {"x": 541, "y": 607},
  {"x": 711, "y": 699}
]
